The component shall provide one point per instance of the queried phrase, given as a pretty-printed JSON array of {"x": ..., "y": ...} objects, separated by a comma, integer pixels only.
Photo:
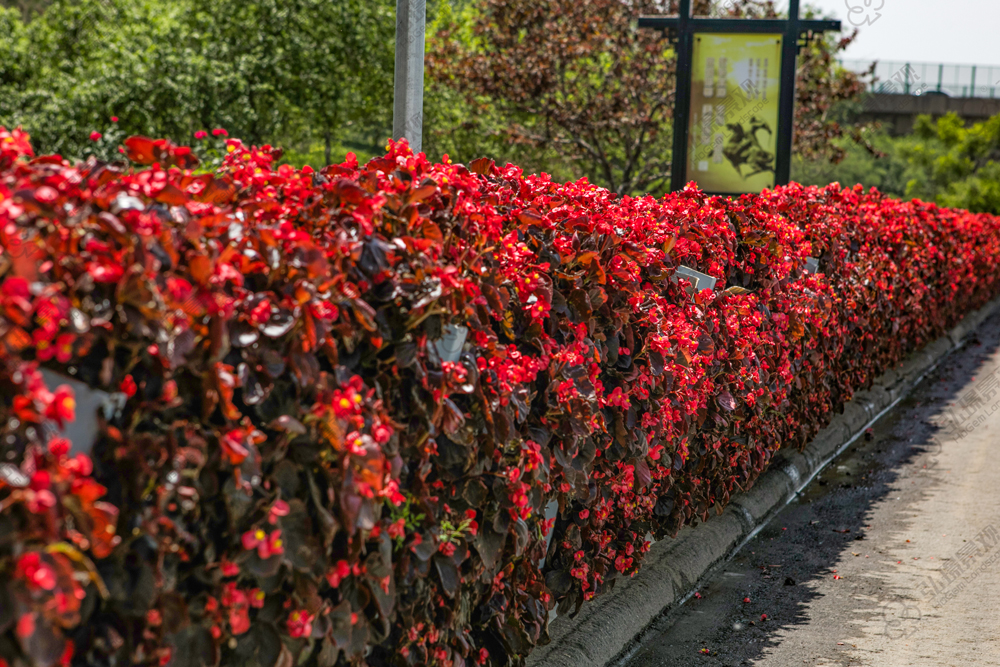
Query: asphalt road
[{"x": 890, "y": 558}]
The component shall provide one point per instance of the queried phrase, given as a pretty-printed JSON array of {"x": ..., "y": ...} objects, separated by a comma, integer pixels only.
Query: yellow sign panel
[{"x": 733, "y": 132}]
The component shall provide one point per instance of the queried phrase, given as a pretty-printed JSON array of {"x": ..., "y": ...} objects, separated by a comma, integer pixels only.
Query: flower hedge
[{"x": 296, "y": 473}]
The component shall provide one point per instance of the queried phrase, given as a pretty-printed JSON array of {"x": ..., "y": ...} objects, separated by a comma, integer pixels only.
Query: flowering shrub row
[{"x": 298, "y": 474}]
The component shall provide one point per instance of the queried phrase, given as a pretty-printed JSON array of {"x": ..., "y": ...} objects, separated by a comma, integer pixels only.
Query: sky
[{"x": 937, "y": 31}]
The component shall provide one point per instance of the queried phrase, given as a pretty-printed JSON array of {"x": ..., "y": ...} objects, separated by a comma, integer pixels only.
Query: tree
[
  {"x": 290, "y": 72},
  {"x": 960, "y": 165},
  {"x": 15, "y": 63},
  {"x": 571, "y": 76},
  {"x": 943, "y": 161},
  {"x": 875, "y": 162},
  {"x": 578, "y": 82},
  {"x": 821, "y": 88},
  {"x": 309, "y": 68},
  {"x": 28, "y": 8}
]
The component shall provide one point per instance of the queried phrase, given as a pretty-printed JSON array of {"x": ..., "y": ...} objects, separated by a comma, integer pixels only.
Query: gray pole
[{"x": 408, "y": 105}]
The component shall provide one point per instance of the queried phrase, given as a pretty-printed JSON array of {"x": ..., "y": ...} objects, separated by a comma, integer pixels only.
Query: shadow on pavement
[{"x": 778, "y": 571}]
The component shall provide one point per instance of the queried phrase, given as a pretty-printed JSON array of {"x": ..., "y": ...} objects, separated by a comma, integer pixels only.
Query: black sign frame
[{"x": 685, "y": 26}]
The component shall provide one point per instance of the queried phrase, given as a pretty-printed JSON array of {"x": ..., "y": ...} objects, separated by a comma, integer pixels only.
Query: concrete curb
[{"x": 608, "y": 630}]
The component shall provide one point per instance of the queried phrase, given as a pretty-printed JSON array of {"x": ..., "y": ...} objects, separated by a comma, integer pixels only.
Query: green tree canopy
[
  {"x": 960, "y": 165},
  {"x": 294, "y": 71},
  {"x": 944, "y": 161}
]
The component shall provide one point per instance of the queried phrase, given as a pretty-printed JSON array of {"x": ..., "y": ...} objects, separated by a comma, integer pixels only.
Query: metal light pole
[{"x": 408, "y": 91}]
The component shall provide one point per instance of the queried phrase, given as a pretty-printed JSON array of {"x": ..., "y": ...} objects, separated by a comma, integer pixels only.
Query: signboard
[
  {"x": 733, "y": 122},
  {"x": 735, "y": 64}
]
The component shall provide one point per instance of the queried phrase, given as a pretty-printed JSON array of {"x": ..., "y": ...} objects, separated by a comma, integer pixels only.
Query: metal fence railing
[{"x": 913, "y": 78}]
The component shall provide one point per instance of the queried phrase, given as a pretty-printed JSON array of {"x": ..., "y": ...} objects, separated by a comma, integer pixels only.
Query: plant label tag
[
  {"x": 551, "y": 512},
  {"x": 83, "y": 432},
  {"x": 812, "y": 265},
  {"x": 698, "y": 280},
  {"x": 449, "y": 346},
  {"x": 11, "y": 475}
]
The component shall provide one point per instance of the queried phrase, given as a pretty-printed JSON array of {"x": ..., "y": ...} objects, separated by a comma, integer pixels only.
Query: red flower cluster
[
  {"x": 54, "y": 509},
  {"x": 299, "y": 467}
]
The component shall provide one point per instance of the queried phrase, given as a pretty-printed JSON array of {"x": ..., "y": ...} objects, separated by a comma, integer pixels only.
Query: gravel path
[{"x": 891, "y": 557}]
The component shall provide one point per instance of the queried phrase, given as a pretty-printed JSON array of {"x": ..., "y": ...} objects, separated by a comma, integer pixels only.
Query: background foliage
[
  {"x": 568, "y": 88},
  {"x": 943, "y": 161},
  {"x": 299, "y": 72},
  {"x": 585, "y": 92}
]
